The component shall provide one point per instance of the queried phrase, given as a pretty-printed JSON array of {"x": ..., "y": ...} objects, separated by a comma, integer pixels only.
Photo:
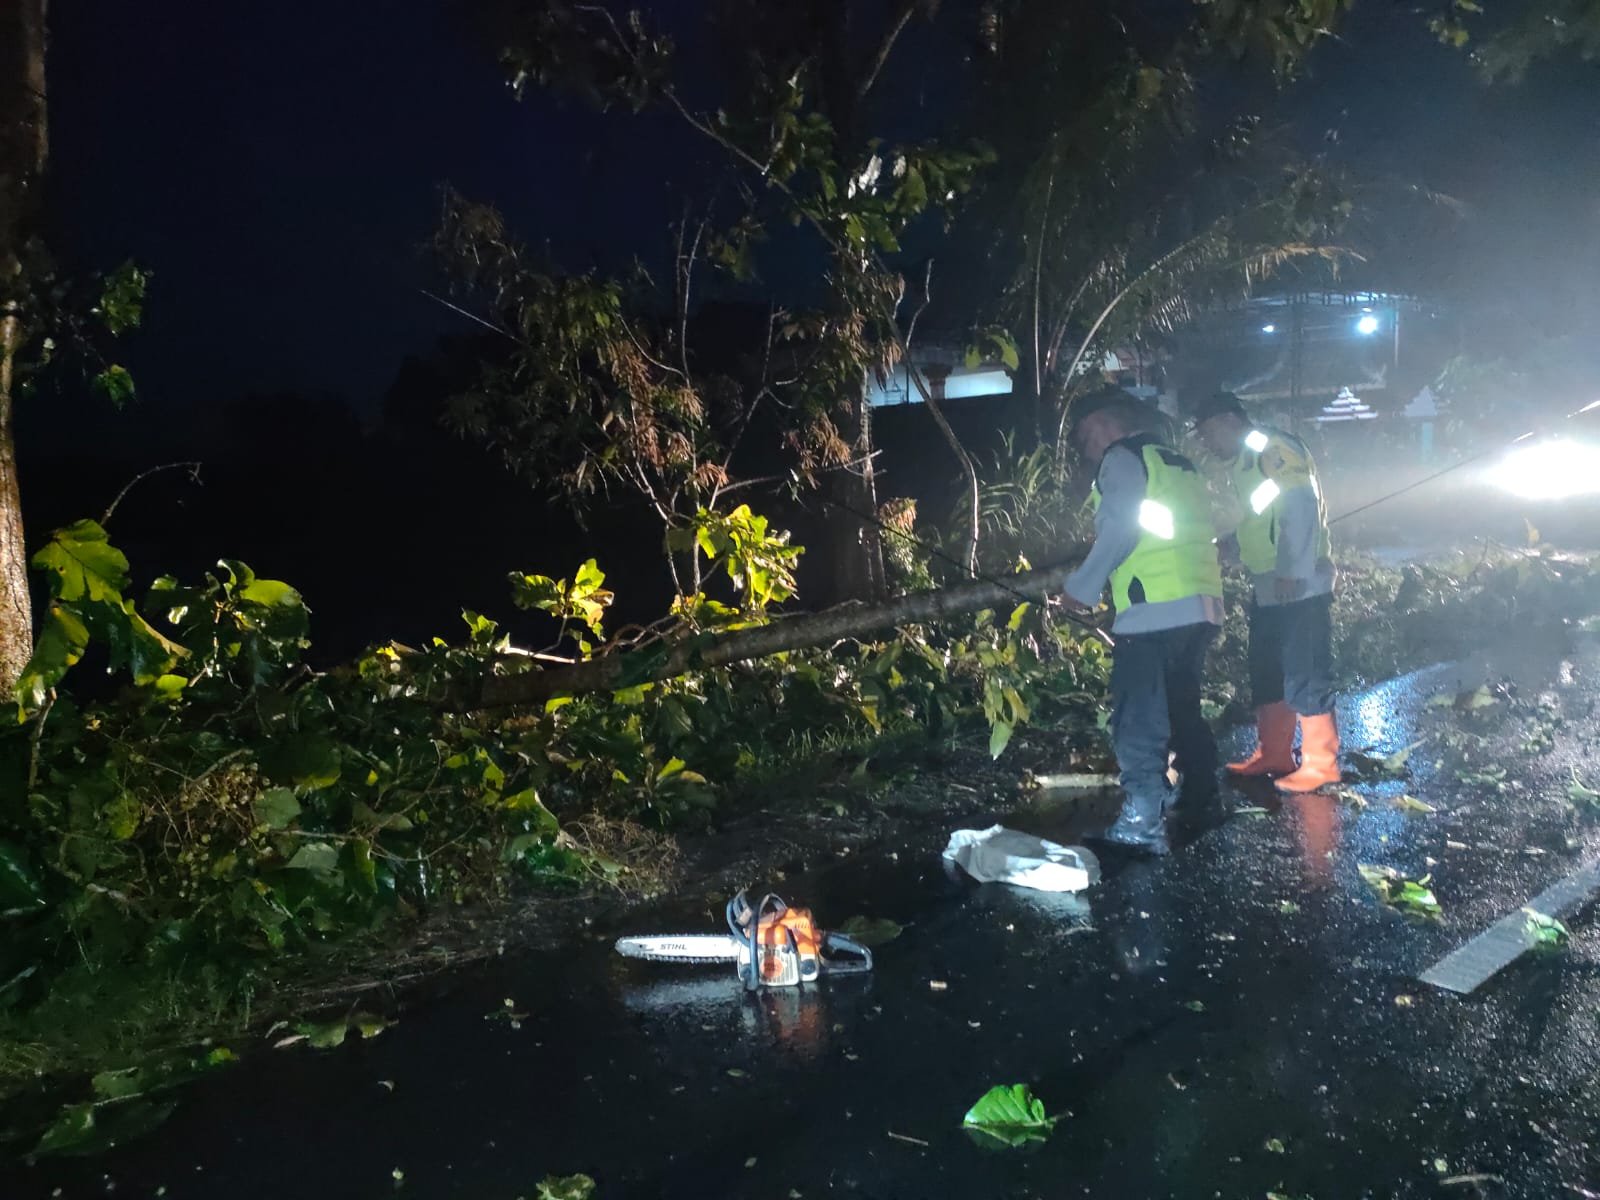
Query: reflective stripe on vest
[
  {"x": 1258, "y": 531},
  {"x": 1176, "y": 555}
]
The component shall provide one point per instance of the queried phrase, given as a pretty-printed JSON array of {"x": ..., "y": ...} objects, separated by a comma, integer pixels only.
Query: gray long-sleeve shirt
[{"x": 1116, "y": 532}]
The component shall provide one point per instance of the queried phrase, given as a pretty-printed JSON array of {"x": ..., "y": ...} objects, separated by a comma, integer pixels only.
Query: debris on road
[
  {"x": 1011, "y": 1115},
  {"x": 1407, "y": 895},
  {"x": 871, "y": 931},
  {"x": 1075, "y": 781},
  {"x": 1544, "y": 932},
  {"x": 1001, "y": 855},
  {"x": 1406, "y": 802}
]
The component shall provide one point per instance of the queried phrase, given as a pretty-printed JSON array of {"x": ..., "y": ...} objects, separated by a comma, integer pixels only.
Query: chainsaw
[{"x": 770, "y": 944}]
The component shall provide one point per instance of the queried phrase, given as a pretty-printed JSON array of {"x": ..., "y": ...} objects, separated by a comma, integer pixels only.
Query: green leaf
[
  {"x": 1018, "y": 614},
  {"x": 565, "y": 1187},
  {"x": 1011, "y": 1115},
  {"x": 61, "y": 644},
  {"x": 1007, "y": 348},
  {"x": 271, "y": 593},
  {"x": 1580, "y": 794},
  {"x": 122, "y": 295},
  {"x": 871, "y": 931},
  {"x": 325, "y": 1035},
  {"x": 364, "y": 816},
  {"x": 528, "y": 803},
  {"x": 87, "y": 566},
  {"x": 368, "y": 1025},
  {"x": 122, "y": 816},
  {"x": 1394, "y": 889},
  {"x": 319, "y": 857},
  {"x": 1409, "y": 803},
  {"x": 306, "y": 760},
  {"x": 159, "y": 1074},
  {"x": 87, "y": 1129},
  {"x": 20, "y": 890},
  {"x": 1000, "y": 738},
  {"x": 277, "y": 808},
  {"x": 115, "y": 384},
  {"x": 170, "y": 687},
  {"x": 1544, "y": 932}
]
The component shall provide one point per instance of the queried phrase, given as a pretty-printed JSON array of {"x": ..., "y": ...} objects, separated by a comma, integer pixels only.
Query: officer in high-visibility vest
[
  {"x": 1155, "y": 547},
  {"x": 1282, "y": 540}
]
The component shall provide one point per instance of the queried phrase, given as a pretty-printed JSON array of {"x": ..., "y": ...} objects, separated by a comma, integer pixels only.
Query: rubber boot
[
  {"x": 1319, "y": 756},
  {"x": 1274, "y": 743},
  {"x": 1141, "y": 825}
]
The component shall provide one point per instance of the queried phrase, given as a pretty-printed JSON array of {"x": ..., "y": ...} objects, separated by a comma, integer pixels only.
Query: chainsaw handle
[{"x": 860, "y": 965}]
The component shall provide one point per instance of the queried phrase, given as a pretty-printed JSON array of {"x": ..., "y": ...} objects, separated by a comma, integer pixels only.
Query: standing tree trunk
[
  {"x": 857, "y": 549},
  {"x": 24, "y": 145}
]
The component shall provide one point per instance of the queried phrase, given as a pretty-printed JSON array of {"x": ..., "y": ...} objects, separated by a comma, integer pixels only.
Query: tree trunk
[
  {"x": 856, "y": 549},
  {"x": 788, "y": 633},
  {"x": 24, "y": 145},
  {"x": 933, "y": 397}
]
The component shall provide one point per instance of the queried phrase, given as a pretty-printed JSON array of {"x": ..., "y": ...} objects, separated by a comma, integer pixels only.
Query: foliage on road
[
  {"x": 1011, "y": 1115},
  {"x": 170, "y": 852}
]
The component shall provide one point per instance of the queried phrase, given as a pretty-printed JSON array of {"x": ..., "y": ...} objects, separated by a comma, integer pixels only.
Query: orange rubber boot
[
  {"x": 1319, "y": 756},
  {"x": 1274, "y": 743}
]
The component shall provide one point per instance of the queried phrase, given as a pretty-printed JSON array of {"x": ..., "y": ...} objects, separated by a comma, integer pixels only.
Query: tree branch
[
  {"x": 697, "y": 652},
  {"x": 194, "y": 476},
  {"x": 907, "y": 11}
]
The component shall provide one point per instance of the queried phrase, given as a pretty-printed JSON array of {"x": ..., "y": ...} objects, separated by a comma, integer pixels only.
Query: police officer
[
  {"x": 1155, "y": 546},
  {"x": 1282, "y": 540}
]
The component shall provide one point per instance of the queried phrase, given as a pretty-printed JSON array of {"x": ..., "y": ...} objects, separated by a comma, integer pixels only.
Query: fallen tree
[{"x": 668, "y": 658}]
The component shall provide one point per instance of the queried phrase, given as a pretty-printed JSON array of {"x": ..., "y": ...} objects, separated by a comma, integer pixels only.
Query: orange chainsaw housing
[{"x": 776, "y": 931}]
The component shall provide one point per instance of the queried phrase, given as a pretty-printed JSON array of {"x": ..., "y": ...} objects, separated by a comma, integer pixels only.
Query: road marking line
[{"x": 1466, "y": 968}]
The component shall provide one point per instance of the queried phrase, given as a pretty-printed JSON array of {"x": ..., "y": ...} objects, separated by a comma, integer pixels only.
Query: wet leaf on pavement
[
  {"x": 1544, "y": 932},
  {"x": 1381, "y": 766},
  {"x": 1394, "y": 889},
  {"x": 327, "y": 1035},
  {"x": 871, "y": 931},
  {"x": 1012, "y": 1115},
  {"x": 566, "y": 1187},
  {"x": 126, "y": 1104},
  {"x": 1581, "y": 795},
  {"x": 1406, "y": 802}
]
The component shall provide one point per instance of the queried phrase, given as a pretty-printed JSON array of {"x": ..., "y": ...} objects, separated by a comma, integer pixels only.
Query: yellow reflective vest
[
  {"x": 1270, "y": 463},
  {"x": 1176, "y": 555}
]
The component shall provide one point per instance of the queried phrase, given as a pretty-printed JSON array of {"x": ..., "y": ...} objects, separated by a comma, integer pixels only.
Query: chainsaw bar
[{"x": 684, "y": 948}]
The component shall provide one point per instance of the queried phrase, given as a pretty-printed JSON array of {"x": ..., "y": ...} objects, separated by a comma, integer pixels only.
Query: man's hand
[
  {"x": 1228, "y": 549},
  {"x": 1287, "y": 589}
]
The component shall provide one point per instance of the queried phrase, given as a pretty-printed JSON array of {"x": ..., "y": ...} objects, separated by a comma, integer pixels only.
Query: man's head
[
  {"x": 1106, "y": 416},
  {"x": 1221, "y": 424}
]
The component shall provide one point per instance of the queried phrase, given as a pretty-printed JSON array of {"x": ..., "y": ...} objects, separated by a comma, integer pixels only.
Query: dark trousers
[
  {"x": 1155, "y": 705},
  {"x": 1291, "y": 655}
]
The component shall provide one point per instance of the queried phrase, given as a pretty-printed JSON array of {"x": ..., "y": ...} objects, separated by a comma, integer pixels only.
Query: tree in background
[
  {"x": 45, "y": 320},
  {"x": 24, "y": 146},
  {"x": 837, "y": 185}
]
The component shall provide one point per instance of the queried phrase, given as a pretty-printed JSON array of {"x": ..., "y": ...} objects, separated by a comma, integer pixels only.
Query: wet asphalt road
[{"x": 1241, "y": 1020}]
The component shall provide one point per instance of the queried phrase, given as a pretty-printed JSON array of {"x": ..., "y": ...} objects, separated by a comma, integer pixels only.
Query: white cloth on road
[{"x": 1001, "y": 855}]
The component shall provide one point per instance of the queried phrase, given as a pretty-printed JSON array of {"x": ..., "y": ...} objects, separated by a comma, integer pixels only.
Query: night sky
[{"x": 277, "y": 168}]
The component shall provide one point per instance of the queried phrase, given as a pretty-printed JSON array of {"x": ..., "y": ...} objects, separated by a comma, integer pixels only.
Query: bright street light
[
  {"x": 1549, "y": 471},
  {"x": 1367, "y": 325},
  {"x": 1269, "y": 329}
]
